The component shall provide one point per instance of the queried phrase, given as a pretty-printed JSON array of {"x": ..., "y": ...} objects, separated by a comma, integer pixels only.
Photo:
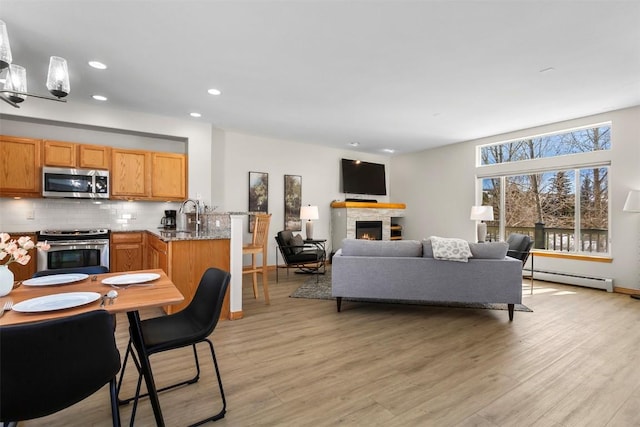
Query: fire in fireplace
[{"x": 369, "y": 230}]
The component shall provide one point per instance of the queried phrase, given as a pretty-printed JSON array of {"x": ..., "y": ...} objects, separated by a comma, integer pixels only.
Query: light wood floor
[{"x": 574, "y": 361}]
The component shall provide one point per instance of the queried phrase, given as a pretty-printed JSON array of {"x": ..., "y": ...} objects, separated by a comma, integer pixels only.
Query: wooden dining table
[{"x": 155, "y": 293}]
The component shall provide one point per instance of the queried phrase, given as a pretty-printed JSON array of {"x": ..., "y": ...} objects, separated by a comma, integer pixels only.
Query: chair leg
[
  {"x": 115, "y": 411},
  {"x": 223, "y": 411},
  {"x": 265, "y": 284},
  {"x": 254, "y": 276}
]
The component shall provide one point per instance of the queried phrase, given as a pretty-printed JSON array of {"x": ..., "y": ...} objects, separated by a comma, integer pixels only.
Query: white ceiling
[{"x": 405, "y": 75}]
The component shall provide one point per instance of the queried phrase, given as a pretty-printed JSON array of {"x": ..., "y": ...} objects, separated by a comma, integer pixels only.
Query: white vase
[{"x": 6, "y": 280}]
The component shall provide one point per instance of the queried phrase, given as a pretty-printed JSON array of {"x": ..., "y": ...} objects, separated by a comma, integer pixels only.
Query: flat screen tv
[{"x": 363, "y": 178}]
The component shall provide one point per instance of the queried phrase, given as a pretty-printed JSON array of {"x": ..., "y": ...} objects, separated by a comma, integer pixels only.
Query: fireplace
[{"x": 369, "y": 230}]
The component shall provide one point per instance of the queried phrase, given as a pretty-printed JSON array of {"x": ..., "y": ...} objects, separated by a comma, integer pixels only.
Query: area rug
[{"x": 322, "y": 290}]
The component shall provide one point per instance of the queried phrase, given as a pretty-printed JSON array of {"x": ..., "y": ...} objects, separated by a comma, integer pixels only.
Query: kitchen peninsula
[{"x": 185, "y": 255}]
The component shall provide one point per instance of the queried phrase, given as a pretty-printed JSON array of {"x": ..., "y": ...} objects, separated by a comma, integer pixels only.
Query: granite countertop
[{"x": 173, "y": 235}]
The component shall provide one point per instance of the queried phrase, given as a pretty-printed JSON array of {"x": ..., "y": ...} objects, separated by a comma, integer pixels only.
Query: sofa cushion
[
  {"x": 450, "y": 249},
  {"x": 427, "y": 248},
  {"x": 489, "y": 250},
  {"x": 381, "y": 248}
]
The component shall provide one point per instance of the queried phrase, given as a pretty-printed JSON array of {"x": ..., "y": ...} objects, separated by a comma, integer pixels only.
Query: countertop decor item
[{"x": 12, "y": 250}]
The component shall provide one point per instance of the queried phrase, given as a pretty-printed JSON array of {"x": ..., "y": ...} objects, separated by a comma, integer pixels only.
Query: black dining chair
[
  {"x": 50, "y": 365},
  {"x": 188, "y": 327},
  {"x": 93, "y": 269}
]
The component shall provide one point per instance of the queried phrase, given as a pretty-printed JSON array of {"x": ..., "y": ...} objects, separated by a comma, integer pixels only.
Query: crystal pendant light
[
  {"x": 58, "y": 77},
  {"x": 5, "y": 48},
  {"x": 16, "y": 80}
]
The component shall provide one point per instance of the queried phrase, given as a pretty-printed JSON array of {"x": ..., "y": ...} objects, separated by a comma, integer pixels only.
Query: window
[
  {"x": 551, "y": 208},
  {"x": 583, "y": 140},
  {"x": 559, "y": 197}
]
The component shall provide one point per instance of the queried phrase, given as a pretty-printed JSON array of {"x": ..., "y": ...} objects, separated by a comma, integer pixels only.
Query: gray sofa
[{"x": 407, "y": 270}]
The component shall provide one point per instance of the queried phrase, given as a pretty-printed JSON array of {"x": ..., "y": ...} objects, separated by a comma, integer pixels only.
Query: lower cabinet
[
  {"x": 185, "y": 261},
  {"x": 157, "y": 253},
  {"x": 126, "y": 252}
]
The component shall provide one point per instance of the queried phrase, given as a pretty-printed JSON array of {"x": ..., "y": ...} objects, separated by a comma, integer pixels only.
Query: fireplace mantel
[
  {"x": 367, "y": 205},
  {"x": 345, "y": 215}
]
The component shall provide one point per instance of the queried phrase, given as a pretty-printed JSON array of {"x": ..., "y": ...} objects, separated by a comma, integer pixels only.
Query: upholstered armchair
[{"x": 305, "y": 257}]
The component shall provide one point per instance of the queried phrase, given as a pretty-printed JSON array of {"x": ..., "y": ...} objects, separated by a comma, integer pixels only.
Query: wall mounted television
[{"x": 360, "y": 177}]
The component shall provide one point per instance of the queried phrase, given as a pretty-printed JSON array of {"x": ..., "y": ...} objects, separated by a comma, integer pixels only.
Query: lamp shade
[
  {"x": 58, "y": 77},
  {"x": 632, "y": 204},
  {"x": 482, "y": 213},
  {"x": 5, "y": 48},
  {"x": 309, "y": 212}
]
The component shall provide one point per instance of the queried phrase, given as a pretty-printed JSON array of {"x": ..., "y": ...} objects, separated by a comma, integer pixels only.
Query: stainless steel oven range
[{"x": 73, "y": 248}]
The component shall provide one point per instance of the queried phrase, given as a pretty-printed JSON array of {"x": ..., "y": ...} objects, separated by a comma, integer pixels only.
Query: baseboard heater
[{"x": 572, "y": 279}]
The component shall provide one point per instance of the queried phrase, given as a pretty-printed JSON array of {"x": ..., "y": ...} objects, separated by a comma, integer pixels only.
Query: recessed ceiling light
[
  {"x": 195, "y": 115},
  {"x": 214, "y": 92},
  {"x": 354, "y": 144},
  {"x": 388, "y": 150},
  {"x": 99, "y": 97},
  {"x": 98, "y": 65}
]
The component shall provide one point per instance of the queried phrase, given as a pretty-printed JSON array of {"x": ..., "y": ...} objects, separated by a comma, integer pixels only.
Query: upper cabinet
[
  {"x": 130, "y": 174},
  {"x": 20, "y": 167},
  {"x": 70, "y": 155},
  {"x": 94, "y": 156},
  {"x": 169, "y": 176},
  {"x": 134, "y": 174}
]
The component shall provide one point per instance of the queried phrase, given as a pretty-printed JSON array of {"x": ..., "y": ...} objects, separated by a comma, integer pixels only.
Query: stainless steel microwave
[{"x": 75, "y": 183}]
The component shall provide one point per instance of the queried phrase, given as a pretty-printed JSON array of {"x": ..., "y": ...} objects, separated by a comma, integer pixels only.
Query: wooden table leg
[{"x": 145, "y": 366}]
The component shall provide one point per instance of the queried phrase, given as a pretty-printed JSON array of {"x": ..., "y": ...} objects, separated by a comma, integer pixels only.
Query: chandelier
[{"x": 15, "y": 76}]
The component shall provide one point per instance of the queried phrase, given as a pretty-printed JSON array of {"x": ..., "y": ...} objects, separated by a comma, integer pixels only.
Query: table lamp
[
  {"x": 482, "y": 213},
  {"x": 632, "y": 204},
  {"x": 309, "y": 213}
]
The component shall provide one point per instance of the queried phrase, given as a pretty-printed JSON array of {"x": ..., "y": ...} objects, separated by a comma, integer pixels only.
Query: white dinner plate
[
  {"x": 130, "y": 279},
  {"x": 55, "y": 302},
  {"x": 55, "y": 279}
]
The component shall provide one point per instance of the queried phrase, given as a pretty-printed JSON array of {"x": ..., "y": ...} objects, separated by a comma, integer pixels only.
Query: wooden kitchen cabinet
[
  {"x": 168, "y": 176},
  {"x": 189, "y": 259},
  {"x": 126, "y": 251},
  {"x": 72, "y": 155},
  {"x": 20, "y": 167},
  {"x": 60, "y": 154},
  {"x": 157, "y": 254},
  {"x": 94, "y": 156},
  {"x": 130, "y": 174}
]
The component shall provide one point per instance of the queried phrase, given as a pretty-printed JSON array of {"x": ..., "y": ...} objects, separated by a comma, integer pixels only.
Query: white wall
[
  {"x": 319, "y": 167},
  {"x": 439, "y": 188}
]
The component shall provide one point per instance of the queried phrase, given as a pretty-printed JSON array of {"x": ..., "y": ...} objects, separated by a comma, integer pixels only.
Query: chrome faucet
[{"x": 196, "y": 203}]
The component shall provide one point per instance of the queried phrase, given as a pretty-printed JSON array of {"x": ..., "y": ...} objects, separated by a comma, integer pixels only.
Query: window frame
[{"x": 566, "y": 162}]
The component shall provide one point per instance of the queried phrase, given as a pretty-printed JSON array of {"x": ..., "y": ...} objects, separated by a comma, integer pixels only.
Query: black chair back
[
  {"x": 283, "y": 239},
  {"x": 520, "y": 246},
  {"x": 51, "y": 365},
  {"x": 206, "y": 305},
  {"x": 94, "y": 269}
]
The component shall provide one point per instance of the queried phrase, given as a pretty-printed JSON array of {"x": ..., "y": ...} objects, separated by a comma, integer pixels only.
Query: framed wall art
[
  {"x": 258, "y": 194},
  {"x": 292, "y": 202}
]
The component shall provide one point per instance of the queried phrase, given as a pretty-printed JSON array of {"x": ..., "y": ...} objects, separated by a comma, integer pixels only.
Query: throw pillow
[
  {"x": 490, "y": 250},
  {"x": 450, "y": 249},
  {"x": 297, "y": 241}
]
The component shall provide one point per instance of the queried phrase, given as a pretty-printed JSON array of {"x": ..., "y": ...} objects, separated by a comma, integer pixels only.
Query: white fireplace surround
[{"x": 344, "y": 216}]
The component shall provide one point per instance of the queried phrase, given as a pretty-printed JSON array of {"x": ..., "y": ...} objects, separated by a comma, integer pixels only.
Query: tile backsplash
[{"x": 30, "y": 215}]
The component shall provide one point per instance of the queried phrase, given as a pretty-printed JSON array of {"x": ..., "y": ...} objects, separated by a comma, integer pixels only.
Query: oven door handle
[{"x": 79, "y": 242}]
